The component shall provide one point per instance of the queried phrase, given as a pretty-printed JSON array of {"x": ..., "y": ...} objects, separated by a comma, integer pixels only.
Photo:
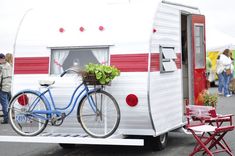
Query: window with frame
[
  {"x": 62, "y": 59},
  {"x": 167, "y": 59},
  {"x": 199, "y": 46}
]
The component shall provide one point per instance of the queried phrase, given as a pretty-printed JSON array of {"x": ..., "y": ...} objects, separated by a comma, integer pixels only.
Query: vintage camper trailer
[{"x": 159, "y": 47}]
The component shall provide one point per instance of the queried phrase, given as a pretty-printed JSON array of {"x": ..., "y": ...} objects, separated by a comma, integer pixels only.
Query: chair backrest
[
  {"x": 197, "y": 114},
  {"x": 196, "y": 110}
]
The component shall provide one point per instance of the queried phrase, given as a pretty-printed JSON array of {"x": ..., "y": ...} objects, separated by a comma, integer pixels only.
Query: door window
[{"x": 199, "y": 47}]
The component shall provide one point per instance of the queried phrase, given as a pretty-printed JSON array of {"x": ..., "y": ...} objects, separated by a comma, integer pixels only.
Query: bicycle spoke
[{"x": 89, "y": 115}]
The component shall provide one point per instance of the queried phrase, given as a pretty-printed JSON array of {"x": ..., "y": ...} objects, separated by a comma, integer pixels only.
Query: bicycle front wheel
[
  {"x": 99, "y": 114},
  {"x": 24, "y": 115}
]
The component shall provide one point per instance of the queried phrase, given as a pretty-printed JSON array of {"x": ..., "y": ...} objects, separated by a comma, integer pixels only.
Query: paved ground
[{"x": 179, "y": 144}]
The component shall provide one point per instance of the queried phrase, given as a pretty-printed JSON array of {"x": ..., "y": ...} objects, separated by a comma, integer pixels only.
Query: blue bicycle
[{"x": 98, "y": 111}]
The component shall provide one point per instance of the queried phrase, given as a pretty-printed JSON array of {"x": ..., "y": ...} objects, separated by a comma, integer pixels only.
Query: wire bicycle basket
[{"x": 90, "y": 79}]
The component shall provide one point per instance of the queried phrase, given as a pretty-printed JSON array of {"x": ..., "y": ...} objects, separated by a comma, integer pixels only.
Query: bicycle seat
[{"x": 46, "y": 83}]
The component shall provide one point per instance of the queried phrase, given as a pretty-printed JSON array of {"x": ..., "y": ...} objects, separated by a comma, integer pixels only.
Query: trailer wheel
[
  {"x": 67, "y": 146},
  {"x": 159, "y": 142}
]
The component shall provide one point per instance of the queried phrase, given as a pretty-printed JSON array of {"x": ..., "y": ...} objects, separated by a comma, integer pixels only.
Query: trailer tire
[
  {"x": 67, "y": 146},
  {"x": 160, "y": 142}
]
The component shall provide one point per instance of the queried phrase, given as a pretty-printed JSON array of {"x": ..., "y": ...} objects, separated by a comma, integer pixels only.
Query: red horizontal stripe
[
  {"x": 155, "y": 62},
  {"x": 124, "y": 62},
  {"x": 139, "y": 62},
  {"x": 178, "y": 60},
  {"x": 31, "y": 65},
  {"x": 130, "y": 62}
]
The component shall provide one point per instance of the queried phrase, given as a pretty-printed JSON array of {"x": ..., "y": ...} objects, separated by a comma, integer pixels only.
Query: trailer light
[
  {"x": 101, "y": 28},
  {"x": 132, "y": 100},
  {"x": 61, "y": 30},
  {"x": 23, "y": 100},
  {"x": 82, "y": 29}
]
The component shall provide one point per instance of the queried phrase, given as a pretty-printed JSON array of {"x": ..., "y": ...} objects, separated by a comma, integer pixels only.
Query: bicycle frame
[{"x": 52, "y": 109}]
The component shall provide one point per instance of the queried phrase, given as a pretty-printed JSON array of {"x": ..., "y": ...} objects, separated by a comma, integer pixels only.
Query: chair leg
[
  {"x": 224, "y": 147},
  {"x": 225, "y": 143},
  {"x": 218, "y": 125},
  {"x": 201, "y": 145}
]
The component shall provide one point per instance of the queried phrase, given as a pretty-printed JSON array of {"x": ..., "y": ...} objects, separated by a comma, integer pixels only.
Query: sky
[{"x": 220, "y": 19}]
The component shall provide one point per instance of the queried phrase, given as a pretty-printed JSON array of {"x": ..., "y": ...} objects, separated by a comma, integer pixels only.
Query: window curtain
[
  {"x": 59, "y": 58},
  {"x": 101, "y": 55}
]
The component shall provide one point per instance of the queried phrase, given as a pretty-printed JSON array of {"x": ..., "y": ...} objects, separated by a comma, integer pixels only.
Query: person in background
[
  {"x": 9, "y": 58},
  {"x": 232, "y": 65},
  {"x": 232, "y": 81},
  {"x": 219, "y": 71},
  {"x": 227, "y": 65},
  {"x": 5, "y": 86}
]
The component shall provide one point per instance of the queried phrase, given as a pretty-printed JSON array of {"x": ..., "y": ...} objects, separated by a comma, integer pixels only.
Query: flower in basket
[
  {"x": 103, "y": 74},
  {"x": 209, "y": 99}
]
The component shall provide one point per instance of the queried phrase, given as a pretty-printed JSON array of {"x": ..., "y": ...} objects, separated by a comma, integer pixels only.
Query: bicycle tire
[
  {"x": 20, "y": 115},
  {"x": 102, "y": 123}
]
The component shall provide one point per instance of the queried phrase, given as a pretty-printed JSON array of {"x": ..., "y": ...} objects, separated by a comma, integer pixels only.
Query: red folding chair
[{"x": 209, "y": 136}]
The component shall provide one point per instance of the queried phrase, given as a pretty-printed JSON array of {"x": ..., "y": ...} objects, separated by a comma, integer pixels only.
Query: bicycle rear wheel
[
  {"x": 21, "y": 113},
  {"x": 99, "y": 114}
]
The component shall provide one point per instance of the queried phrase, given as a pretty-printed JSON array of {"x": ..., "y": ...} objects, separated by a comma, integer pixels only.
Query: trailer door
[{"x": 197, "y": 56}]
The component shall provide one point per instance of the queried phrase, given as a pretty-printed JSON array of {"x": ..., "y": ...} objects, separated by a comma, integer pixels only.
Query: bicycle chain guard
[{"x": 58, "y": 120}]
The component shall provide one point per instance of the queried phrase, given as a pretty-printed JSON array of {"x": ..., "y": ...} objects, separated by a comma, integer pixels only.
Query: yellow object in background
[{"x": 213, "y": 56}]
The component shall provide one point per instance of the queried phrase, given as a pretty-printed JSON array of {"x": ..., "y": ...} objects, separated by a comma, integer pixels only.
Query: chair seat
[{"x": 203, "y": 128}]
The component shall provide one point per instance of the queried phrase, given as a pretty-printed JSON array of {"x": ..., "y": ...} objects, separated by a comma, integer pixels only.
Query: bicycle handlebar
[{"x": 61, "y": 75}]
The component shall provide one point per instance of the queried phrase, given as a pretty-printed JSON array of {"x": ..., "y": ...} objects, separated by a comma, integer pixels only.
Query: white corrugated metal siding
[{"x": 166, "y": 88}]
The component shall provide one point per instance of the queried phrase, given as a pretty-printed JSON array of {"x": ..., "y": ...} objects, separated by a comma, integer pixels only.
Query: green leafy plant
[
  {"x": 210, "y": 99},
  {"x": 104, "y": 74}
]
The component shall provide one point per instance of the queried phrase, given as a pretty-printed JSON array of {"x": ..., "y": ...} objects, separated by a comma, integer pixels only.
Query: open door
[{"x": 196, "y": 56}]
